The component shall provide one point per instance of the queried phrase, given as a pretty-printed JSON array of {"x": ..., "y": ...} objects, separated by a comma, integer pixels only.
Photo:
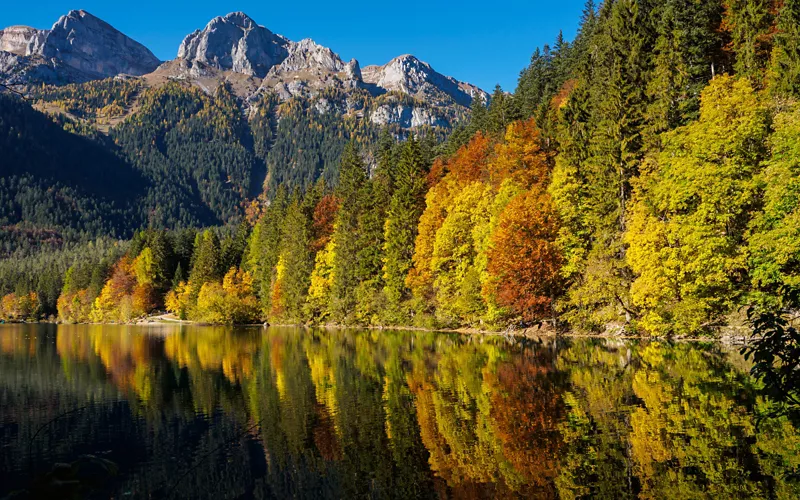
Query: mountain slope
[
  {"x": 235, "y": 49},
  {"x": 79, "y": 47}
]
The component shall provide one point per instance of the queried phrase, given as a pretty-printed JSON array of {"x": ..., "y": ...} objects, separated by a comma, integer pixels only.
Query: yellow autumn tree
[{"x": 230, "y": 302}]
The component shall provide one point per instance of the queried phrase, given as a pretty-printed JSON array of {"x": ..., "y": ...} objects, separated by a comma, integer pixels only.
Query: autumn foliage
[{"x": 524, "y": 261}]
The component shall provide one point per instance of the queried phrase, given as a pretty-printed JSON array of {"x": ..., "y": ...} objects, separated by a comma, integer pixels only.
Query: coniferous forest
[{"x": 643, "y": 177}]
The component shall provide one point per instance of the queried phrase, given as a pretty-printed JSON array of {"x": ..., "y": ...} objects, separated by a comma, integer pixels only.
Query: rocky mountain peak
[
  {"x": 78, "y": 47},
  {"x": 309, "y": 55},
  {"x": 409, "y": 75},
  {"x": 237, "y": 43},
  {"x": 22, "y": 40},
  {"x": 92, "y": 46}
]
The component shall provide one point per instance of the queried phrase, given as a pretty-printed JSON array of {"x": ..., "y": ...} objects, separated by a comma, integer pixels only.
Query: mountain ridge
[{"x": 234, "y": 48}]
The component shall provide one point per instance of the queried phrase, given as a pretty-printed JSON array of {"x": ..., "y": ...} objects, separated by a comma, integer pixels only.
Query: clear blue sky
[{"x": 484, "y": 43}]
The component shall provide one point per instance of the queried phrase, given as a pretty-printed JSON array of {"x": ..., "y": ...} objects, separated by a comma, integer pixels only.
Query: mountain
[
  {"x": 236, "y": 43},
  {"x": 240, "y": 113},
  {"x": 417, "y": 78},
  {"x": 235, "y": 49},
  {"x": 79, "y": 47}
]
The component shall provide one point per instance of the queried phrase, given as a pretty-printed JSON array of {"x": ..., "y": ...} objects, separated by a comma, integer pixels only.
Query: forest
[{"x": 643, "y": 178}]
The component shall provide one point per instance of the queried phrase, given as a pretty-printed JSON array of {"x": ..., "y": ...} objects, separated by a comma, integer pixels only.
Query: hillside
[{"x": 642, "y": 178}]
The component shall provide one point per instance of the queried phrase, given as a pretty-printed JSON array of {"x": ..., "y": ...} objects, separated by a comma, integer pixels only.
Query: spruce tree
[
  {"x": 502, "y": 111},
  {"x": 295, "y": 262},
  {"x": 263, "y": 248},
  {"x": 400, "y": 230},
  {"x": 749, "y": 24},
  {"x": 207, "y": 264},
  {"x": 603, "y": 149},
  {"x": 784, "y": 74},
  {"x": 352, "y": 178},
  {"x": 686, "y": 54}
]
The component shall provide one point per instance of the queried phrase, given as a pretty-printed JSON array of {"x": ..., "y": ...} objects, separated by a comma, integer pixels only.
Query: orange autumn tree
[
  {"x": 466, "y": 203},
  {"x": 322, "y": 222},
  {"x": 524, "y": 261},
  {"x": 129, "y": 292}
]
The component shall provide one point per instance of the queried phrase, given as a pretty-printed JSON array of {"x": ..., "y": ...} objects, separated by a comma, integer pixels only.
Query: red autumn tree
[
  {"x": 322, "y": 225},
  {"x": 524, "y": 261}
]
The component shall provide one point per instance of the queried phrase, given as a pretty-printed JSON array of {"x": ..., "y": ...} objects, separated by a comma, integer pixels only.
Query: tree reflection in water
[{"x": 220, "y": 412}]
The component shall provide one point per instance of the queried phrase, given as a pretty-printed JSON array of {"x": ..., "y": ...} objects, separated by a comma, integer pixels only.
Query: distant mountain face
[
  {"x": 79, "y": 47},
  {"x": 237, "y": 50},
  {"x": 239, "y": 113}
]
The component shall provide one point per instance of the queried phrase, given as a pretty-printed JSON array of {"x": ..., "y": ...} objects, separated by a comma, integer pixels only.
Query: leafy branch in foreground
[{"x": 775, "y": 348}]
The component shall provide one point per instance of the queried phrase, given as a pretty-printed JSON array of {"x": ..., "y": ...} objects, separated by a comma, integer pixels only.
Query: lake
[{"x": 221, "y": 412}]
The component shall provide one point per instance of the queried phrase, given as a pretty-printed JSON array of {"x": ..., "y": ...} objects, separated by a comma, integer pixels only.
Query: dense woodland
[{"x": 642, "y": 177}]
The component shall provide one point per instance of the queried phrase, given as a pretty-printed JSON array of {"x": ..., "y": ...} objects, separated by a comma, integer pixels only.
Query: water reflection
[{"x": 285, "y": 412}]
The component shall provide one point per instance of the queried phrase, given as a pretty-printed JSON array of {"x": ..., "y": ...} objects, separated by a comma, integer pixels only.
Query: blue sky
[{"x": 482, "y": 43}]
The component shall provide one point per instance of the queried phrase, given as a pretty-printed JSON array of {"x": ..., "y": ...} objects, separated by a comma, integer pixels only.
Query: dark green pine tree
[
  {"x": 179, "y": 276},
  {"x": 376, "y": 196},
  {"x": 502, "y": 111},
  {"x": 616, "y": 88},
  {"x": 784, "y": 74},
  {"x": 207, "y": 259},
  {"x": 687, "y": 52},
  {"x": 749, "y": 23},
  {"x": 479, "y": 114},
  {"x": 263, "y": 247},
  {"x": 352, "y": 178},
  {"x": 400, "y": 230},
  {"x": 164, "y": 260},
  {"x": 296, "y": 257},
  {"x": 234, "y": 246}
]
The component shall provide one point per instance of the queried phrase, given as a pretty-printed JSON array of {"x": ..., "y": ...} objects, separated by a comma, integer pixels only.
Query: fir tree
[
  {"x": 784, "y": 74},
  {"x": 400, "y": 229},
  {"x": 352, "y": 178},
  {"x": 207, "y": 265}
]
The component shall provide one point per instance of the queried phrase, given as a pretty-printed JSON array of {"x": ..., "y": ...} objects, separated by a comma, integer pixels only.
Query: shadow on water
[{"x": 95, "y": 411}]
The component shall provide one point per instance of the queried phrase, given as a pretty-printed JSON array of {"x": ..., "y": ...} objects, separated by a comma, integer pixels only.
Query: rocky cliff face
[
  {"x": 236, "y": 43},
  {"x": 92, "y": 46},
  {"x": 417, "y": 78},
  {"x": 79, "y": 47},
  {"x": 254, "y": 60},
  {"x": 22, "y": 40}
]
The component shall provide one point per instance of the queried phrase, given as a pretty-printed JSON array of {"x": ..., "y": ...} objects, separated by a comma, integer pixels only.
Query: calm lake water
[{"x": 207, "y": 412}]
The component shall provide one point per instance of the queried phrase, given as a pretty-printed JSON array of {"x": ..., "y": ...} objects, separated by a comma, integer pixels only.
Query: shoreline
[{"x": 529, "y": 333}]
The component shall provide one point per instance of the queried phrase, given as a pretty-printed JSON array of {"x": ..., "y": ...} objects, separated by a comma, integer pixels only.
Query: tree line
[{"x": 641, "y": 177}]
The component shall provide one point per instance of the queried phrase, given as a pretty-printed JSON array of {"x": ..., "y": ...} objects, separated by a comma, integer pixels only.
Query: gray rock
[
  {"x": 353, "y": 70},
  {"x": 411, "y": 76},
  {"x": 90, "y": 45},
  {"x": 79, "y": 47},
  {"x": 236, "y": 43},
  {"x": 22, "y": 40},
  {"x": 306, "y": 55}
]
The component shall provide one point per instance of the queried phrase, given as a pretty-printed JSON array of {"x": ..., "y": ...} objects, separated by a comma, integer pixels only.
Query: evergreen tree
[
  {"x": 686, "y": 54},
  {"x": 295, "y": 261},
  {"x": 502, "y": 111},
  {"x": 234, "y": 245},
  {"x": 400, "y": 229},
  {"x": 207, "y": 265},
  {"x": 749, "y": 24},
  {"x": 263, "y": 248},
  {"x": 164, "y": 260},
  {"x": 352, "y": 179},
  {"x": 375, "y": 197},
  {"x": 784, "y": 74},
  {"x": 592, "y": 183}
]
